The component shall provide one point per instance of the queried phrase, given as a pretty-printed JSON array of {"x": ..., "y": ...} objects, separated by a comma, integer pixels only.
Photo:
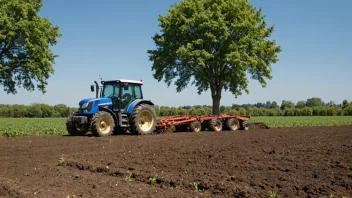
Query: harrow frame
[{"x": 184, "y": 121}]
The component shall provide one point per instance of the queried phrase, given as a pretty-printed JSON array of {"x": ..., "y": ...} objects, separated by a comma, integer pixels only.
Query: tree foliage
[
  {"x": 300, "y": 104},
  {"x": 35, "y": 111},
  {"x": 287, "y": 104},
  {"x": 214, "y": 44},
  {"x": 348, "y": 110},
  {"x": 314, "y": 102},
  {"x": 25, "y": 40},
  {"x": 345, "y": 104}
]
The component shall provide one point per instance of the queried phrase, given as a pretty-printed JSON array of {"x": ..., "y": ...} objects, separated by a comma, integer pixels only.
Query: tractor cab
[{"x": 121, "y": 92}]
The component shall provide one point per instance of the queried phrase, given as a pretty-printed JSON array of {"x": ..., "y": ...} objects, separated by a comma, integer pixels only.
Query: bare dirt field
[{"x": 293, "y": 162}]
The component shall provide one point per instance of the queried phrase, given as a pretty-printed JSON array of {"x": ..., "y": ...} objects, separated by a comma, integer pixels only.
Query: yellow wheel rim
[
  {"x": 145, "y": 120},
  {"x": 104, "y": 125}
]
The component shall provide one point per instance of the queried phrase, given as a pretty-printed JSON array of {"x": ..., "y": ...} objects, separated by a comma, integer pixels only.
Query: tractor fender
[
  {"x": 109, "y": 111},
  {"x": 136, "y": 103}
]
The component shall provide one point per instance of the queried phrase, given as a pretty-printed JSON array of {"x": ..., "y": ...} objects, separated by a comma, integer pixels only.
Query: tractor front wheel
[
  {"x": 102, "y": 124},
  {"x": 143, "y": 120},
  {"x": 75, "y": 130}
]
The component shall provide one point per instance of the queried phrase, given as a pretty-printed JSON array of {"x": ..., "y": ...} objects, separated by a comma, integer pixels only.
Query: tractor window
[
  {"x": 127, "y": 97},
  {"x": 108, "y": 91},
  {"x": 128, "y": 92},
  {"x": 138, "y": 92},
  {"x": 111, "y": 90}
]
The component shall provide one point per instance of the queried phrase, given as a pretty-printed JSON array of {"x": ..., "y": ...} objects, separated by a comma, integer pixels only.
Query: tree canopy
[
  {"x": 25, "y": 40},
  {"x": 214, "y": 44}
]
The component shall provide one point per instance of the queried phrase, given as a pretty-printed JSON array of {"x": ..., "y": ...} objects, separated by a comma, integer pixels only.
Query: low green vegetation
[
  {"x": 32, "y": 126},
  {"x": 295, "y": 121},
  {"x": 57, "y": 126}
]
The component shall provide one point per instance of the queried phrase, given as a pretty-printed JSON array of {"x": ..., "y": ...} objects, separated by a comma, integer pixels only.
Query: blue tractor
[{"x": 119, "y": 108}]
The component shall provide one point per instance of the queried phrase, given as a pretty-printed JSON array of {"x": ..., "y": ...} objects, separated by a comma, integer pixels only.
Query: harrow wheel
[
  {"x": 102, "y": 124},
  {"x": 232, "y": 124},
  {"x": 75, "y": 130},
  {"x": 215, "y": 125},
  {"x": 143, "y": 120},
  {"x": 195, "y": 126},
  {"x": 244, "y": 126}
]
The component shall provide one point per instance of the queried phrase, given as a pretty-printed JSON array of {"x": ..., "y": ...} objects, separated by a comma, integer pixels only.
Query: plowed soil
[{"x": 293, "y": 162}]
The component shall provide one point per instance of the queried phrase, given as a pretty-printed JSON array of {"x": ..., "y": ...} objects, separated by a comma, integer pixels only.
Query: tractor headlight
[{"x": 84, "y": 105}]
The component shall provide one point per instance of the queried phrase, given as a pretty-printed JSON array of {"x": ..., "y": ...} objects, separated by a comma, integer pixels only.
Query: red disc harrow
[{"x": 198, "y": 123}]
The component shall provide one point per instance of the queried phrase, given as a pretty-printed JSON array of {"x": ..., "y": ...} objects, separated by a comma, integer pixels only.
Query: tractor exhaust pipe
[{"x": 97, "y": 89}]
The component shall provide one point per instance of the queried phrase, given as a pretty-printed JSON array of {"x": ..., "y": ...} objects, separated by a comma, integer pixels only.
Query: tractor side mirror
[
  {"x": 92, "y": 88},
  {"x": 125, "y": 86}
]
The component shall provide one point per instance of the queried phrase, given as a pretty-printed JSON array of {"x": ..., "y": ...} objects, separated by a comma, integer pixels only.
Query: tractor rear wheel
[
  {"x": 143, "y": 120},
  {"x": 195, "y": 126},
  {"x": 215, "y": 125},
  {"x": 102, "y": 124},
  {"x": 232, "y": 124},
  {"x": 74, "y": 130}
]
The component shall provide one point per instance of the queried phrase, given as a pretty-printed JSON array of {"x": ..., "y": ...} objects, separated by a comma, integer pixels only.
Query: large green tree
[
  {"x": 214, "y": 43},
  {"x": 25, "y": 40},
  {"x": 314, "y": 102}
]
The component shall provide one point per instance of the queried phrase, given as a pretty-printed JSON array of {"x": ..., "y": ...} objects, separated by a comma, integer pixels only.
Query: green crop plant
[
  {"x": 129, "y": 177},
  {"x": 272, "y": 194},
  {"x": 195, "y": 185},
  {"x": 228, "y": 178},
  {"x": 152, "y": 180},
  {"x": 61, "y": 161},
  {"x": 178, "y": 187}
]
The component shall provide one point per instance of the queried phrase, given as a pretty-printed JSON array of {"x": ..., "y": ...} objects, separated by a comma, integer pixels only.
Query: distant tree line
[
  {"x": 311, "y": 107},
  {"x": 35, "y": 111}
]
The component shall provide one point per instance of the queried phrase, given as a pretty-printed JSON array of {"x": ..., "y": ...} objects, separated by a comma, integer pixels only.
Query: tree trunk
[
  {"x": 216, "y": 105},
  {"x": 216, "y": 96}
]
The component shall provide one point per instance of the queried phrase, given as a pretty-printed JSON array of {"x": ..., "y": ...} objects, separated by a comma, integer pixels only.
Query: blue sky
[{"x": 111, "y": 38}]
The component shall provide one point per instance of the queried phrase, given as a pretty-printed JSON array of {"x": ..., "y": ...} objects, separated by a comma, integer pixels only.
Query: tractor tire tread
[
  {"x": 212, "y": 124},
  {"x": 229, "y": 122},
  {"x": 244, "y": 126},
  {"x": 193, "y": 126},
  {"x": 134, "y": 119},
  {"x": 94, "y": 126}
]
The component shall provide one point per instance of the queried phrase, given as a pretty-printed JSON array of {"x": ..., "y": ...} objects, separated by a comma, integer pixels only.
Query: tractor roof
[{"x": 124, "y": 80}]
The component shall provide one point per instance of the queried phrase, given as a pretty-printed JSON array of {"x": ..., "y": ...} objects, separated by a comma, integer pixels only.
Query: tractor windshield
[{"x": 111, "y": 90}]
